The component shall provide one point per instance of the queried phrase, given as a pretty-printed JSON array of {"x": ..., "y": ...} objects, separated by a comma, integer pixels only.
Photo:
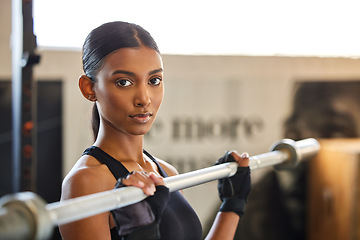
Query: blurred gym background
[{"x": 238, "y": 75}]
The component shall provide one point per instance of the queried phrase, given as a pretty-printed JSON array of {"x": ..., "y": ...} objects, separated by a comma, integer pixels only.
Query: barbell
[{"x": 25, "y": 215}]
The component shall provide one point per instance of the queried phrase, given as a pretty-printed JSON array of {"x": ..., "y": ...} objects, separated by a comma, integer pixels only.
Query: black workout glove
[
  {"x": 141, "y": 220},
  {"x": 234, "y": 190}
]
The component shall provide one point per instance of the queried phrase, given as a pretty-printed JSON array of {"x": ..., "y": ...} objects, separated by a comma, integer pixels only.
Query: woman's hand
[
  {"x": 141, "y": 220},
  {"x": 234, "y": 190},
  {"x": 147, "y": 182}
]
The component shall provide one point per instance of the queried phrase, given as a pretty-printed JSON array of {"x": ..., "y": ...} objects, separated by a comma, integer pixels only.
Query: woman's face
[{"x": 129, "y": 90}]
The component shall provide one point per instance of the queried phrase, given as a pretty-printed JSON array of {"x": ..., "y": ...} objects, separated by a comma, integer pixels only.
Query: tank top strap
[
  {"x": 161, "y": 170},
  {"x": 116, "y": 168}
]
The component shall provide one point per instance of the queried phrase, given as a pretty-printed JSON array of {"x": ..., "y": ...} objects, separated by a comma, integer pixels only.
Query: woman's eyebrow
[
  {"x": 133, "y": 74},
  {"x": 123, "y": 72},
  {"x": 155, "y": 71}
]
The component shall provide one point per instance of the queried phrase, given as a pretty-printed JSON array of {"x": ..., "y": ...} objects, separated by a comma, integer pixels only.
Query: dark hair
[{"x": 104, "y": 40}]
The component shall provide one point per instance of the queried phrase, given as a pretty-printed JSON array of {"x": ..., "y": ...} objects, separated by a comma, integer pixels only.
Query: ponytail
[{"x": 95, "y": 121}]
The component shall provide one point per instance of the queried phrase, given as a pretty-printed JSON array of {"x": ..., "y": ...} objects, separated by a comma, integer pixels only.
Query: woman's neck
[{"x": 121, "y": 146}]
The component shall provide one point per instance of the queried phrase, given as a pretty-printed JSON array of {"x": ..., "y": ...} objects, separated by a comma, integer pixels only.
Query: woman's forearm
[{"x": 224, "y": 226}]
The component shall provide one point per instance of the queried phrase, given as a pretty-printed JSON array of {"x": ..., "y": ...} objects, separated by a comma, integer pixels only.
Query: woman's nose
[{"x": 142, "y": 98}]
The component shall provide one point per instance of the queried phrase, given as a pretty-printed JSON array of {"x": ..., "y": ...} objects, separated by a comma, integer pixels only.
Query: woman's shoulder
[{"x": 88, "y": 176}]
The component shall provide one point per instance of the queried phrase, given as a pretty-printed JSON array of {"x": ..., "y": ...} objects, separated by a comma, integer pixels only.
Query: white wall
[
  {"x": 5, "y": 28},
  {"x": 216, "y": 93}
]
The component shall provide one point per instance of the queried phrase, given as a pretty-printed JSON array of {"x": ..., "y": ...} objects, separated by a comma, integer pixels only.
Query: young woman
[{"x": 124, "y": 78}]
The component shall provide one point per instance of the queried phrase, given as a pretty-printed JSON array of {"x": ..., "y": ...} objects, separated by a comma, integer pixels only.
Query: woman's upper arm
[{"x": 84, "y": 182}]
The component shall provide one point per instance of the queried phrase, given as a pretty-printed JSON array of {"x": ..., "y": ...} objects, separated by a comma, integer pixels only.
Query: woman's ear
[{"x": 86, "y": 87}]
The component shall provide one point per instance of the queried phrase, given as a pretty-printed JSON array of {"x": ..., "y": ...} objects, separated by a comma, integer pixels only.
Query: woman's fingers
[
  {"x": 241, "y": 159},
  {"x": 143, "y": 180},
  {"x": 157, "y": 179}
]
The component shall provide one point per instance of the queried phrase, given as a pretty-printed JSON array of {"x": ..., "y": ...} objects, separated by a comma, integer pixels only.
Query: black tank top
[{"x": 178, "y": 222}]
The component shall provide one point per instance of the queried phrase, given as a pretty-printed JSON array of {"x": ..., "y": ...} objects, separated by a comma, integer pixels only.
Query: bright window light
[{"x": 227, "y": 27}]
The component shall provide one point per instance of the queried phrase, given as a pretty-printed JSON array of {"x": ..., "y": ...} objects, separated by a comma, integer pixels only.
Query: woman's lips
[{"x": 141, "y": 118}]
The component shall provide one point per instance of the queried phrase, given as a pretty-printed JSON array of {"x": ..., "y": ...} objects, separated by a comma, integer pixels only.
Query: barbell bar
[{"x": 27, "y": 216}]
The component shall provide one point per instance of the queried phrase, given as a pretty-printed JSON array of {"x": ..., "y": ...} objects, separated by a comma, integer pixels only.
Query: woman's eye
[
  {"x": 123, "y": 83},
  {"x": 155, "y": 81}
]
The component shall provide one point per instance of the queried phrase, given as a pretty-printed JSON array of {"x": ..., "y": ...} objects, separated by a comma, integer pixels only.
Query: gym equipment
[{"x": 26, "y": 216}]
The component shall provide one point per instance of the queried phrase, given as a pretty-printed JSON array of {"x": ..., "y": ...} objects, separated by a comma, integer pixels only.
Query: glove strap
[{"x": 233, "y": 205}]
